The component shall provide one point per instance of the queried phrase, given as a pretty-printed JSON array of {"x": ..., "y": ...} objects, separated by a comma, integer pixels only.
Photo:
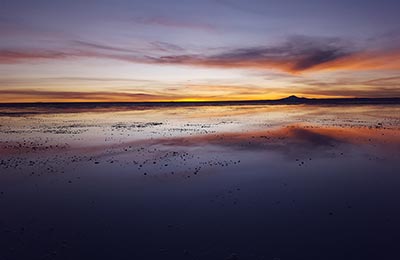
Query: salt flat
[{"x": 209, "y": 182}]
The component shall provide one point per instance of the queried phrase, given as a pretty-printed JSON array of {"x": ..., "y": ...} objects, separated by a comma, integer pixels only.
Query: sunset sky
[{"x": 159, "y": 50}]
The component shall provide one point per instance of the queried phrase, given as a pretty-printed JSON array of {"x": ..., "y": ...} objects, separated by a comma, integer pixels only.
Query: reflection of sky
[
  {"x": 179, "y": 50},
  {"x": 265, "y": 127},
  {"x": 162, "y": 183}
]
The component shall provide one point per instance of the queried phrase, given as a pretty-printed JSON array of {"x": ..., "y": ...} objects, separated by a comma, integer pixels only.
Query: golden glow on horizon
[
  {"x": 364, "y": 74},
  {"x": 119, "y": 98},
  {"x": 246, "y": 87}
]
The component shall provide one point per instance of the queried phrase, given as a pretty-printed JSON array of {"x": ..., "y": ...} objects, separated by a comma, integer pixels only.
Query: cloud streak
[
  {"x": 295, "y": 55},
  {"x": 27, "y": 95},
  {"x": 139, "y": 95},
  {"x": 298, "y": 54},
  {"x": 173, "y": 23}
]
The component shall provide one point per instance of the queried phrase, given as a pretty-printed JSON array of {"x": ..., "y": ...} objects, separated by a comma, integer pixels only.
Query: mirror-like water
[{"x": 218, "y": 182}]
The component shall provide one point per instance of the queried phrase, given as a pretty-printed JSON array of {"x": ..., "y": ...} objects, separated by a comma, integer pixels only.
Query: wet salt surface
[{"x": 249, "y": 182}]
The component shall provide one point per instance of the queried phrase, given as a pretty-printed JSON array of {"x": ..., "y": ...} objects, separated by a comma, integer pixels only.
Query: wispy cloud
[
  {"x": 69, "y": 81},
  {"x": 173, "y": 23},
  {"x": 360, "y": 91},
  {"x": 166, "y": 47},
  {"x": 386, "y": 81},
  {"x": 101, "y": 47},
  {"x": 8, "y": 95},
  {"x": 15, "y": 56},
  {"x": 27, "y": 55},
  {"x": 137, "y": 95},
  {"x": 299, "y": 54}
]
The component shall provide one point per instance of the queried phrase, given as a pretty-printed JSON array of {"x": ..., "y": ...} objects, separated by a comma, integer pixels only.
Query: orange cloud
[
  {"x": 314, "y": 60},
  {"x": 297, "y": 55},
  {"x": 29, "y": 95},
  {"x": 32, "y": 95},
  {"x": 367, "y": 60}
]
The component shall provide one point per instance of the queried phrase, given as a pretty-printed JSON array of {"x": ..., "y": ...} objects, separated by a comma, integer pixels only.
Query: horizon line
[{"x": 288, "y": 99}]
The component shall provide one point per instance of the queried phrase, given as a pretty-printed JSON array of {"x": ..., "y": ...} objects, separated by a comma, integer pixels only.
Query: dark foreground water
[{"x": 231, "y": 182}]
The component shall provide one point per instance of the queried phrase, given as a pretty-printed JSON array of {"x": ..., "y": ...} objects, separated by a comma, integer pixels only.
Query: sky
[{"x": 176, "y": 50}]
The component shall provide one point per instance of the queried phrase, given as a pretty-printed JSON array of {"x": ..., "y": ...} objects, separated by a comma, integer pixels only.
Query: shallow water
[{"x": 217, "y": 182}]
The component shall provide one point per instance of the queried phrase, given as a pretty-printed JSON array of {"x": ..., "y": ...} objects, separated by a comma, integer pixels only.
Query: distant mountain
[
  {"x": 302, "y": 100},
  {"x": 293, "y": 99}
]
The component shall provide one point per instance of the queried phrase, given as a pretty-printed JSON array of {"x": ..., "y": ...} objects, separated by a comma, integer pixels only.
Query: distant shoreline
[{"x": 292, "y": 100}]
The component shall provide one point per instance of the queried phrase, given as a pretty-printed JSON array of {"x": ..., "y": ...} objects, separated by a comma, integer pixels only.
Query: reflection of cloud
[
  {"x": 293, "y": 141},
  {"x": 314, "y": 137},
  {"x": 291, "y": 136},
  {"x": 294, "y": 138}
]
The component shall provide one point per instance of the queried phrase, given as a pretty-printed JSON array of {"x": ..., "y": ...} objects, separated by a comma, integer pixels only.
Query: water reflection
[{"x": 253, "y": 182}]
